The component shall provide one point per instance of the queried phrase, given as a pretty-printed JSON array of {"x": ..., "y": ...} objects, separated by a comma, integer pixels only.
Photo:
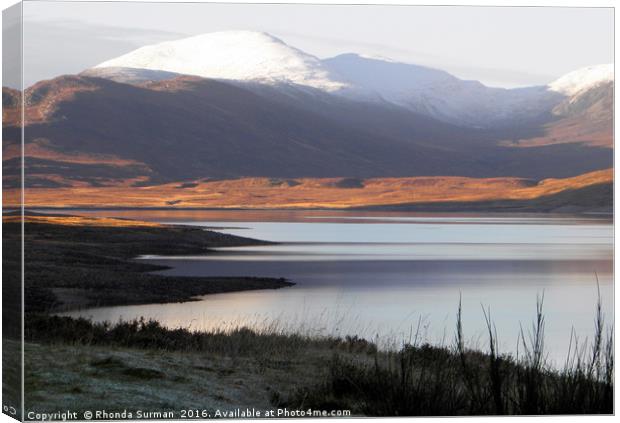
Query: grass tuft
[{"x": 422, "y": 380}]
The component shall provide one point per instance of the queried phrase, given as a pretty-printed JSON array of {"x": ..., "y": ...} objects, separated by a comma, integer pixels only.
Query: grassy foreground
[{"x": 157, "y": 368}]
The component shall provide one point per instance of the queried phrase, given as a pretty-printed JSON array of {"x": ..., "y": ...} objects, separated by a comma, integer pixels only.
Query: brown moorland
[
  {"x": 336, "y": 193},
  {"x": 79, "y": 221}
]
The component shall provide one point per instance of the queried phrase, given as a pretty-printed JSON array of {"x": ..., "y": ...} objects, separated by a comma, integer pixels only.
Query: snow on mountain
[
  {"x": 385, "y": 75},
  {"x": 583, "y": 79},
  {"x": 129, "y": 75},
  {"x": 439, "y": 94},
  {"x": 259, "y": 58},
  {"x": 247, "y": 56}
]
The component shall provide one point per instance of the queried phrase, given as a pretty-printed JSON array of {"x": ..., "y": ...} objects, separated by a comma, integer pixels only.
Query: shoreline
[
  {"x": 76, "y": 263},
  {"x": 173, "y": 369},
  {"x": 271, "y": 370}
]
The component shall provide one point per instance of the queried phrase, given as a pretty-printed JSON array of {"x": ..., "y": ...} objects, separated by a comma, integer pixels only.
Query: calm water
[{"x": 386, "y": 276}]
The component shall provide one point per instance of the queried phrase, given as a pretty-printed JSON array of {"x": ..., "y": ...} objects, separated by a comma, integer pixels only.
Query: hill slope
[{"x": 93, "y": 131}]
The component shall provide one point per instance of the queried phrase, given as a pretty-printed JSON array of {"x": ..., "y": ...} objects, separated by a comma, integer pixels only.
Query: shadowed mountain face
[
  {"x": 94, "y": 131},
  {"x": 191, "y": 127},
  {"x": 585, "y": 118}
]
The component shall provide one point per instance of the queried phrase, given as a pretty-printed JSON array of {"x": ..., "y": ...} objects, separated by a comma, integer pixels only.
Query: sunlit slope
[{"x": 329, "y": 192}]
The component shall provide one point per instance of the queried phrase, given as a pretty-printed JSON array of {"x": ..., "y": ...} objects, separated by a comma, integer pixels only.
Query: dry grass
[
  {"x": 43, "y": 149},
  {"x": 297, "y": 371},
  {"x": 310, "y": 193},
  {"x": 571, "y": 131},
  {"x": 424, "y": 380},
  {"x": 63, "y": 376},
  {"x": 80, "y": 221}
]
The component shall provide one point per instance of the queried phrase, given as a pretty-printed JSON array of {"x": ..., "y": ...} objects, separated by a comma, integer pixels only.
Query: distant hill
[
  {"x": 243, "y": 57},
  {"x": 96, "y": 131},
  {"x": 241, "y": 105}
]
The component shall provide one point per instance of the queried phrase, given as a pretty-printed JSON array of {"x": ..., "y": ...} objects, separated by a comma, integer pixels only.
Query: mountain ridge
[
  {"x": 191, "y": 127},
  {"x": 248, "y": 56},
  {"x": 232, "y": 55},
  {"x": 125, "y": 127}
]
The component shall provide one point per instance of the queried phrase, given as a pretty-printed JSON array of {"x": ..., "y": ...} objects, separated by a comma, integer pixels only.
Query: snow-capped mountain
[
  {"x": 245, "y": 104},
  {"x": 246, "y": 56},
  {"x": 255, "y": 58},
  {"x": 583, "y": 79},
  {"x": 441, "y": 95}
]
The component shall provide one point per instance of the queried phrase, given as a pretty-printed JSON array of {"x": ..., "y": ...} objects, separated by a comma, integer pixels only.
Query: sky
[{"x": 499, "y": 46}]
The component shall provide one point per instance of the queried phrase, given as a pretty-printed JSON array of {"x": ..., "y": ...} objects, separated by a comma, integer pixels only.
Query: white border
[{"x": 504, "y": 3}]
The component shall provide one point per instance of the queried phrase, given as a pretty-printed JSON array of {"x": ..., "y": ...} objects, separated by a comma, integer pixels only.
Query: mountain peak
[
  {"x": 236, "y": 36},
  {"x": 259, "y": 58},
  {"x": 583, "y": 79},
  {"x": 233, "y": 55}
]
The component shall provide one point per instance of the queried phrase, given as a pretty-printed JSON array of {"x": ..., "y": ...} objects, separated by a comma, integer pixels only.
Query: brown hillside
[{"x": 312, "y": 192}]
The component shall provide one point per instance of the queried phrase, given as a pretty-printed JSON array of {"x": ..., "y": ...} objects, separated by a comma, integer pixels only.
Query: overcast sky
[{"x": 500, "y": 46}]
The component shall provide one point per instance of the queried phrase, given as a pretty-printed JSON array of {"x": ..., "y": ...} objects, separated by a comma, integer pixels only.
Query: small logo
[{"x": 8, "y": 409}]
